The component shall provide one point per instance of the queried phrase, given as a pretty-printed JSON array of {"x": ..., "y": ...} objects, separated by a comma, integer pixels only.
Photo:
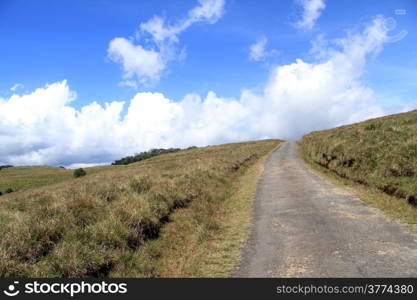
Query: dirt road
[{"x": 307, "y": 227}]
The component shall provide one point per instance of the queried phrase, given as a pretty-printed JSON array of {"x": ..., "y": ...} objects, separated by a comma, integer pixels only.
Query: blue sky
[{"x": 46, "y": 42}]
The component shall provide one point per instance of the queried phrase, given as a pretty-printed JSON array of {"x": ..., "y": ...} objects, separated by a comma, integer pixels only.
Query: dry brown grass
[
  {"x": 213, "y": 249},
  {"x": 124, "y": 221}
]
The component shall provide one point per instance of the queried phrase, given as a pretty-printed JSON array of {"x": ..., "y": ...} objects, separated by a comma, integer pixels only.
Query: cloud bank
[
  {"x": 144, "y": 64},
  {"x": 311, "y": 12},
  {"x": 43, "y": 128}
]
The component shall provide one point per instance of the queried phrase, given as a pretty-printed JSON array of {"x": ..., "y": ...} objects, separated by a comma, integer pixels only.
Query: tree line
[{"x": 146, "y": 154}]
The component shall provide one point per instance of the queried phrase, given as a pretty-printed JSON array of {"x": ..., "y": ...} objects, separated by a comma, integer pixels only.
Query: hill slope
[
  {"x": 380, "y": 153},
  {"x": 26, "y": 177},
  {"x": 18, "y": 178},
  {"x": 126, "y": 221}
]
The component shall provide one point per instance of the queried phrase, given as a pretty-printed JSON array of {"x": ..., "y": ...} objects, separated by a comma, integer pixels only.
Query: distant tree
[
  {"x": 79, "y": 173},
  {"x": 144, "y": 155},
  {"x": 5, "y": 166}
]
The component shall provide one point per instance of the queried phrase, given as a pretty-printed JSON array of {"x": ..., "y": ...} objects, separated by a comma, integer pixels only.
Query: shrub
[
  {"x": 5, "y": 166},
  {"x": 372, "y": 126},
  {"x": 79, "y": 172},
  {"x": 8, "y": 190}
]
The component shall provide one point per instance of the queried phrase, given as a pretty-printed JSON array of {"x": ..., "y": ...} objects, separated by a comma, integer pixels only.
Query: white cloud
[
  {"x": 311, "y": 12},
  {"x": 16, "y": 86},
  {"x": 87, "y": 165},
  {"x": 208, "y": 11},
  {"x": 42, "y": 127},
  {"x": 146, "y": 63},
  {"x": 257, "y": 50},
  {"x": 136, "y": 61}
]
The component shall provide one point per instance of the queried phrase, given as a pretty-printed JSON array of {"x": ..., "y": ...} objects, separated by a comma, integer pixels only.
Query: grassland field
[{"x": 183, "y": 214}]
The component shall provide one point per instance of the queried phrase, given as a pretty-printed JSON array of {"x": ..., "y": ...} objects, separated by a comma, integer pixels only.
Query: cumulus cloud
[
  {"x": 311, "y": 12},
  {"x": 43, "y": 128},
  {"x": 146, "y": 63}
]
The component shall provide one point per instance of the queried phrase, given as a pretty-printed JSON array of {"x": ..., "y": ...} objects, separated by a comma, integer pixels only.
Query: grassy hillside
[
  {"x": 18, "y": 178},
  {"x": 380, "y": 153},
  {"x": 127, "y": 221}
]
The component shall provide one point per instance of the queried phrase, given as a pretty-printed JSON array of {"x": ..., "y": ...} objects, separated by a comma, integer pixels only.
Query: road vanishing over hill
[{"x": 305, "y": 226}]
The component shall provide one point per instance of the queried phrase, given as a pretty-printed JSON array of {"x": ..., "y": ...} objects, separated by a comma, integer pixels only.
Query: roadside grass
[
  {"x": 380, "y": 152},
  {"x": 398, "y": 209},
  {"x": 377, "y": 157},
  {"x": 167, "y": 216},
  {"x": 212, "y": 234}
]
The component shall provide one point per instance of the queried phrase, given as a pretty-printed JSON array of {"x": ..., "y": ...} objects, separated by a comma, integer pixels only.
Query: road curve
[{"x": 307, "y": 227}]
